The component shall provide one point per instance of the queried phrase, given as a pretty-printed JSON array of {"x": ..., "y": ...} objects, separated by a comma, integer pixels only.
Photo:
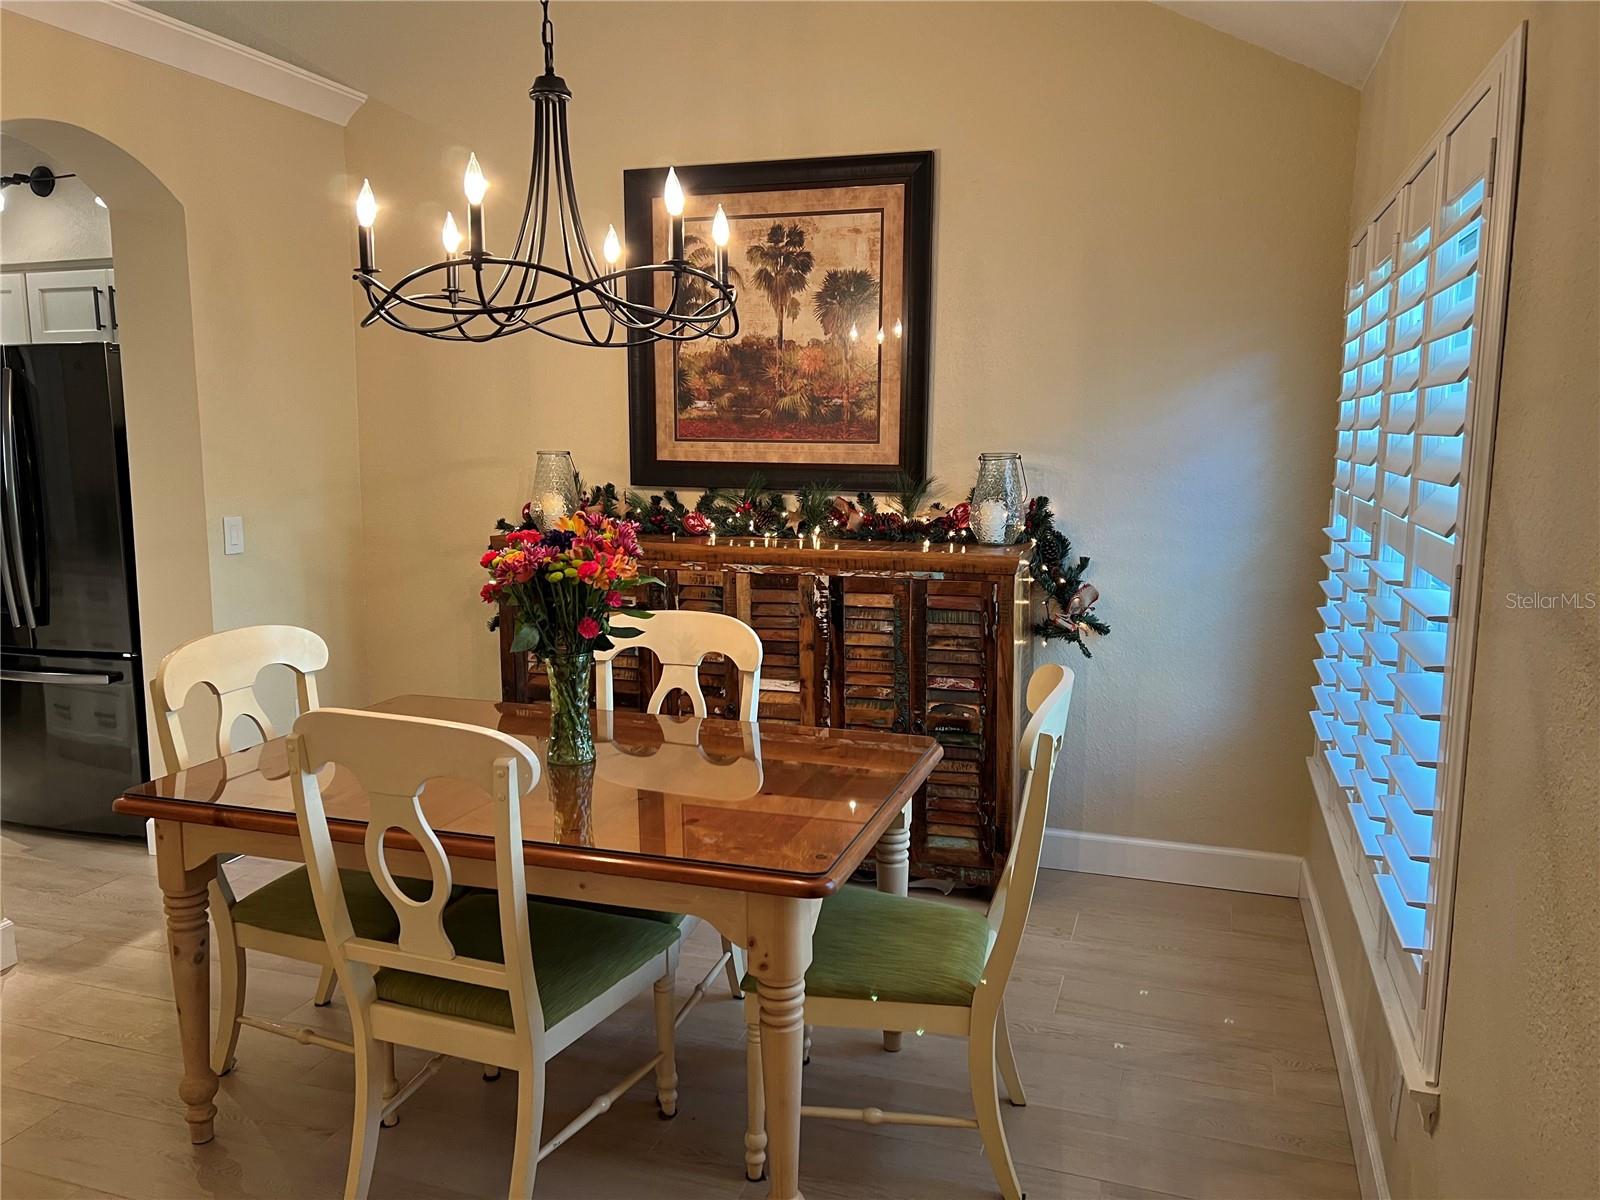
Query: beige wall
[
  {"x": 241, "y": 393},
  {"x": 1138, "y": 265},
  {"x": 1519, "y": 1115}
]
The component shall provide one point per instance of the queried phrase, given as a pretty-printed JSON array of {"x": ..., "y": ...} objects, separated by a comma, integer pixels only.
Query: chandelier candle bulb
[
  {"x": 673, "y": 198},
  {"x": 719, "y": 239},
  {"x": 450, "y": 236},
  {"x": 366, "y": 214},
  {"x": 899, "y": 330},
  {"x": 475, "y": 185}
]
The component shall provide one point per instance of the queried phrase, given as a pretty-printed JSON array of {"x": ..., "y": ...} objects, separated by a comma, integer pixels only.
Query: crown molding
[{"x": 160, "y": 38}]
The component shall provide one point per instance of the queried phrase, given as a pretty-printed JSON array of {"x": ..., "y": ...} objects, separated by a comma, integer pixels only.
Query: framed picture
[{"x": 827, "y": 376}]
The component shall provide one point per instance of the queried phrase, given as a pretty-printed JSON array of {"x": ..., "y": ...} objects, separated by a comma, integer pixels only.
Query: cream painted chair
[
  {"x": 280, "y": 917},
  {"x": 681, "y": 639},
  {"x": 497, "y": 977},
  {"x": 882, "y": 960}
]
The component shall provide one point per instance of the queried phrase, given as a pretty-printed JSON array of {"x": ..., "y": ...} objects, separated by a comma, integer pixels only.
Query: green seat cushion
[
  {"x": 871, "y": 945},
  {"x": 578, "y": 953},
  {"x": 286, "y": 906}
]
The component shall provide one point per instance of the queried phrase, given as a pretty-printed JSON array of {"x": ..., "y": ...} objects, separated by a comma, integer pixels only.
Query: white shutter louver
[{"x": 1414, "y": 305}]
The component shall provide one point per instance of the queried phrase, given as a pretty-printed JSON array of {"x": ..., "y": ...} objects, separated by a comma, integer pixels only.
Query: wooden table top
[{"x": 781, "y": 809}]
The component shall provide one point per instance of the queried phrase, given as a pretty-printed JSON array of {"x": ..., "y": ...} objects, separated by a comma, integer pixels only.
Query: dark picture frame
[{"x": 909, "y": 176}]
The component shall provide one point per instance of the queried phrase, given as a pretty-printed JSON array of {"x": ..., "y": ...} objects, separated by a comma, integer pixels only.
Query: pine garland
[
  {"x": 1071, "y": 601},
  {"x": 757, "y": 509}
]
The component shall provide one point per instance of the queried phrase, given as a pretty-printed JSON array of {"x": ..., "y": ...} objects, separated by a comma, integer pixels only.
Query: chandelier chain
[{"x": 547, "y": 35}]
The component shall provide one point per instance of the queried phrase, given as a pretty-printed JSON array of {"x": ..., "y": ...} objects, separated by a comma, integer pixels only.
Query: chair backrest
[
  {"x": 395, "y": 759},
  {"x": 1049, "y": 698},
  {"x": 680, "y": 639},
  {"x": 227, "y": 663}
]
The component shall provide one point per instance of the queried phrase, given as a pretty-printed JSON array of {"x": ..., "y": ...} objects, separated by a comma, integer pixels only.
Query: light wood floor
[{"x": 1171, "y": 1040}]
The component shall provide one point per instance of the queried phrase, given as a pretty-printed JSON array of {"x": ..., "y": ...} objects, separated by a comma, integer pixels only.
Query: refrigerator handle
[
  {"x": 98, "y": 323},
  {"x": 63, "y": 678},
  {"x": 13, "y": 517}
]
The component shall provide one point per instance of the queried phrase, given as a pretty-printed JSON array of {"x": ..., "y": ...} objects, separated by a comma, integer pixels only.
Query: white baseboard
[
  {"x": 1358, "y": 1112},
  {"x": 1173, "y": 862}
]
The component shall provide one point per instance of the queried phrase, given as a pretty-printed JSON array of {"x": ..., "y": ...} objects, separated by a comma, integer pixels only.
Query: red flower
[
  {"x": 588, "y": 570},
  {"x": 614, "y": 600},
  {"x": 488, "y": 593},
  {"x": 588, "y": 627},
  {"x": 524, "y": 537}
]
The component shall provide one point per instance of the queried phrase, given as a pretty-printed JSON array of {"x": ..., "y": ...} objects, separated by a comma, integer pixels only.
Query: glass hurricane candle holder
[
  {"x": 554, "y": 490},
  {"x": 1001, "y": 482}
]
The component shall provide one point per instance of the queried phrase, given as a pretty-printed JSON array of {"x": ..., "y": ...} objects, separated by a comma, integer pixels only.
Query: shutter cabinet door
[
  {"x": 782, "y": 608},
  {"x": 871, "y": 684},
  {"x": 954, "y": 669}
]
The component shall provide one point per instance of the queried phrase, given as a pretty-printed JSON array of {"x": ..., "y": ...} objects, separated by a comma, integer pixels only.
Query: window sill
[{"x": 1424, "y": 1091}]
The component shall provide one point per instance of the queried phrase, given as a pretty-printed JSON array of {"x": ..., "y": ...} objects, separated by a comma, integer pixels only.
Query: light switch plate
[{"x": 233, "y": 535}]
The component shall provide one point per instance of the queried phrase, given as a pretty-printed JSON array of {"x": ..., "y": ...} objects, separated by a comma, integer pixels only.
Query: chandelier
[{"x": 479, "y": 295}]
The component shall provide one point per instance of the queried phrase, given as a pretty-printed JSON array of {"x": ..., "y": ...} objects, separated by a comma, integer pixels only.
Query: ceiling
[{"x": 1339, "y": 38}]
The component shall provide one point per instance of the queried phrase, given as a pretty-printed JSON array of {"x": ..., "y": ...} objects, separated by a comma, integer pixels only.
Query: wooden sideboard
[{"x": 869, "y": 635}]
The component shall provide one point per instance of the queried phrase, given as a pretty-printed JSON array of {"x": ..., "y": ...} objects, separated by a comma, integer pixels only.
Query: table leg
[
  {"x": 894, "y": 876},
  {"x": 184, "y": 897},
  {"x": 780, "y": 952}
]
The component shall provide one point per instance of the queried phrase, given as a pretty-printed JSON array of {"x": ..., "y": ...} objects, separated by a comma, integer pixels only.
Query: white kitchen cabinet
[
  {"x": 72, "y": 306},
  {"x": 13, "y": 309}
]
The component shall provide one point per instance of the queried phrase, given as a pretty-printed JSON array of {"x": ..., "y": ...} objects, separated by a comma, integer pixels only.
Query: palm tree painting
[
  {"x": 793, "y": 374},
  {"x": 822, "y": 372}
]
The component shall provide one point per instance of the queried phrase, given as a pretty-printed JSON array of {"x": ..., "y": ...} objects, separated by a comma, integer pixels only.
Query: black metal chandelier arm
[
  {"x": 685, "y": 327},
  {"x": 607, "y": 298}
]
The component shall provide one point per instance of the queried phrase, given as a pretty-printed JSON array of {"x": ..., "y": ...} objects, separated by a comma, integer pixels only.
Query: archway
[{"x": 156, "y": 324}]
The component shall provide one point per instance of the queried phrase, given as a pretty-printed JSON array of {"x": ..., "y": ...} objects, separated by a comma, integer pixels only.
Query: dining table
[{"x": 747, "y": 826}]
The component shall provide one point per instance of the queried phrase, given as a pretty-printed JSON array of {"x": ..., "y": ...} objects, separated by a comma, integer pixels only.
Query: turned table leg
[
  {"x": 894, "y": 876},
  {"x": 780, "y": 952},
  {"x": 184, "y": 897}
]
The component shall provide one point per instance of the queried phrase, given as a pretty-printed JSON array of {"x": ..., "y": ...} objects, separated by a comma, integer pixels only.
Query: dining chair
[
  {"x": 882, "y": 960},
  {"x": 681, "y": 639},
  {"x": 496, "y": 976},
  {"x": 280, "y": 917}
]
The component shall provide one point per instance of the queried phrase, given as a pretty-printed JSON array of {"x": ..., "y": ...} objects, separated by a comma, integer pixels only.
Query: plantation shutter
[{"x": 1408, "y": 412}]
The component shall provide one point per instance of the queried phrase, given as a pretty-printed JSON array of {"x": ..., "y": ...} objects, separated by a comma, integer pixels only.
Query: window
[{"x": 1424, "y": 317}]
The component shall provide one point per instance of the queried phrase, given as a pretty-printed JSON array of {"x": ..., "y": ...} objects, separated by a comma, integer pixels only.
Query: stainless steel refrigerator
[{"x": 72, "y": 730}]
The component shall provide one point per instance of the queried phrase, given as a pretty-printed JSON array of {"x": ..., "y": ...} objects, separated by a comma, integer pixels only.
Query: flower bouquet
[{"x": 561, "y": 589}]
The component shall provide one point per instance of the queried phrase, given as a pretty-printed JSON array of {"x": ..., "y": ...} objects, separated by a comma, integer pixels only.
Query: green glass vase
[{"x": 571, "y": 740}]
